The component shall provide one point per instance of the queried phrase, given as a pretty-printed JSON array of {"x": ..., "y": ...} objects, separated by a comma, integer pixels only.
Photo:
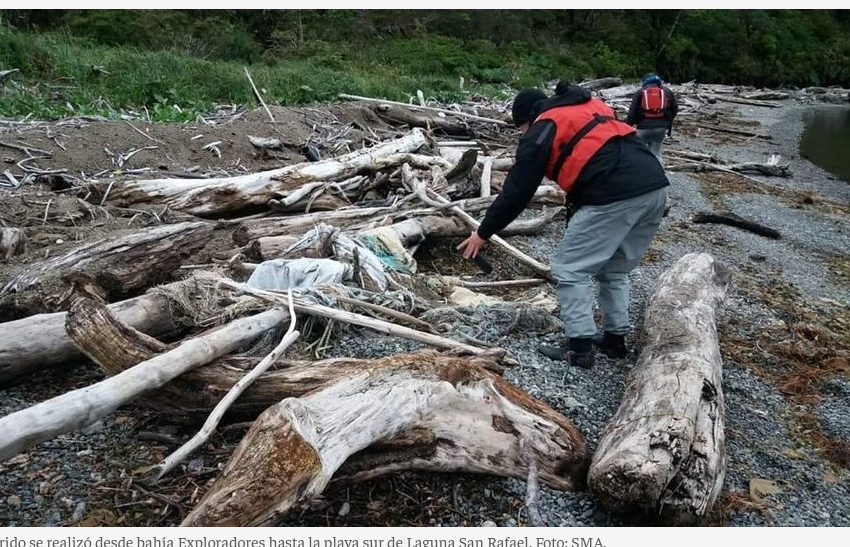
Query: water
[{"x": 826, "y": 140}]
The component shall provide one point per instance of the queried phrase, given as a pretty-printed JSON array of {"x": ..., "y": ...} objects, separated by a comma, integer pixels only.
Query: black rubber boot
[
  {"x": 578, "y": 352},
  {"x": 611, "y": 345}
]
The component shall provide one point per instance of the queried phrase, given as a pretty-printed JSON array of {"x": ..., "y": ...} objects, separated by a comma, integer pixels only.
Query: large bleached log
[
  {"x": 213, "y": 197},
  {"x": 410, "y": 231},
  {"x": 422, "y": 108},
  {"x": 39, "y": 342},
  {"x": 601, "y": 83},
  {"x": 397, "y": 114},
  {"x": 453, "y": 414},
  {"x": 749, "y": 102},
  {"x": 664, "y": 451},
  {"x": 122, "y": 265},
  {"x": 297, "y": 225},
  {"x": 85, "y": 406},
  {"x": 355, "y": 216}
]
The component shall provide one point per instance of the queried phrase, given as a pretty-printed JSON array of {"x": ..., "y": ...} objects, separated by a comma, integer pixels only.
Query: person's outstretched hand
[{"x": 471, "y": 245}]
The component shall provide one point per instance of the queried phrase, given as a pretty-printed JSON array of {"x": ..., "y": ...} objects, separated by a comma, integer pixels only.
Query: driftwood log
[
  {"x": 764, "y": 169},
  {"x": 122, "y": 265},
  {"x": 349, "y": 217},
  {"x": 85, "y": 406},
  {"x": 731, "y": 219},
  {"x": 39, "y": 342},
  {"x": 214, "y": 197},
  {"x": 601, "y": 83},
  {"x": 411, "y": 232},
  {"x": 348, "y": 97},
  {"x": 13, "y": 241},
  {"x": 400, "y": 115},
  {"x": 117, "y": 347},
  {"x": 664, "y": 451},
  {"x": 442, "y": 413}
]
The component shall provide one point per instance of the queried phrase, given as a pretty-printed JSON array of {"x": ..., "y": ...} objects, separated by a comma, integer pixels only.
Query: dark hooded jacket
[
  {"x": 623, "y": 168},
  {"x": 636, "y": 118}
]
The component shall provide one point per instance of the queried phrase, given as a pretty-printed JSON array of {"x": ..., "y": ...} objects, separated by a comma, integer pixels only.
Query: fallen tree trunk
[
  {"x": 731, "y": 219},
  {"x": 13, "y": 241},
  {"x": 85, "y": 406},
  {"x": 397, "y": 115},
  {"x": 116, "y": 347},
  {"x": 664, "y": 450},
  {"x": 217, "y": 414},
  {"x": 122, "y": 265},
  {"x": 410, "y": 232},
  {"x": 733, "y": 131},
  {"x": 213, "y": 197},
  {"x": 601, "y": 83},
  {"x": 728, "y": 99},
  {"x": 765, "y": 169},
  {"x": 426, "y": 108},
  {"x": 296, "y": 225},
  {"x": 351, "y": 217},
  {"x": 39, "y": 342},
  {"x": 452, "y": 413},
  {"x": 766, "y": 95}
]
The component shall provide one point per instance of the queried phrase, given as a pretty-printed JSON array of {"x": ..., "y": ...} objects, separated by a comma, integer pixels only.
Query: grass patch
[{"x": 62, "y": 75}]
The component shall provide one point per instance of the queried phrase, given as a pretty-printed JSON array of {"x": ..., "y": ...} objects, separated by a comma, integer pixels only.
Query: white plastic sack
[{"x": 302, "y": 273}]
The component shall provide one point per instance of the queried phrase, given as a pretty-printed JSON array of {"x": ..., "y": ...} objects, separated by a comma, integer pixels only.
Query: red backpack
[{"x": 653, "y": 102}]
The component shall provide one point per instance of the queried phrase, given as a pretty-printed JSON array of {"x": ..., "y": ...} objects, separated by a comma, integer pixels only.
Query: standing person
[
  {"x": 616, "y": 189},
  {"x": 652, "y": 111}
]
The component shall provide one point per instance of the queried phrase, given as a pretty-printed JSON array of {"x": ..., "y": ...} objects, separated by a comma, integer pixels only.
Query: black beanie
[
  {"x": 523, "y": 108},
  {"x": 562, "y": 87}
]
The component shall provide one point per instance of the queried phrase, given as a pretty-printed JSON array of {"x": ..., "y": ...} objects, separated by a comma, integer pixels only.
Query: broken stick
[{"x": 731, "y": 219}]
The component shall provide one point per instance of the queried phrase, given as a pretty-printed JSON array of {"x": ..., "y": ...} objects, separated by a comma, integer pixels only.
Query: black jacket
[
  {"x": 623, "y": 168},
  {"x": 636, "y": 118}
]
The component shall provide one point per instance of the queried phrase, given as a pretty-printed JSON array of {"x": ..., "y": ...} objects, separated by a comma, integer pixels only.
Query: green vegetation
[{"x": 178, "y": 63}]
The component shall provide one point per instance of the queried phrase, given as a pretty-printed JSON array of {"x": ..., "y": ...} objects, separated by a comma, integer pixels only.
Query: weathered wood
[
  {"x": 427, "y": 108},
  {"x": 731, "y": 219},
  {"x": 217, "y": 414},
  {"x": 218, "y": 196},
  {"x": 486, "y": 176},
  {"x": 455, "y": 155},
  {"x": 396, "y": 114},
  {"x": 766, "y": 95},
  {"x": 85, "y": 406},
  {"x": 279, "y": 226},
  {"x": 739, "y": 100},
  {"x": 733, "y": 131},
  {"x": 13, "y": 241},
  {"x": 765, "y": 169},
  {"x": 664, "y": 450},
  {"x": 454, "y": 415},
  {"x": 123, "y": 265},
  {"x": 414, "y": 230},
  {"x": 373, "y": 323},
  {"x": 39, "y": 342},
  {"x": 601, "y": 83},
  {"x": 265, "y": 143}
]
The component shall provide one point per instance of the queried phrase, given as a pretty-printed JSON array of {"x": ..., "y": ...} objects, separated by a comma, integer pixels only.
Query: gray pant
[
  {"x": 605, "y": 241},
  {"x": 653, "y": 139}
]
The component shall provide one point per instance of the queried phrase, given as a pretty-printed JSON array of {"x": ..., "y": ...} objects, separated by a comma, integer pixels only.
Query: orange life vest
[{"x": 581, "y": 131}]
